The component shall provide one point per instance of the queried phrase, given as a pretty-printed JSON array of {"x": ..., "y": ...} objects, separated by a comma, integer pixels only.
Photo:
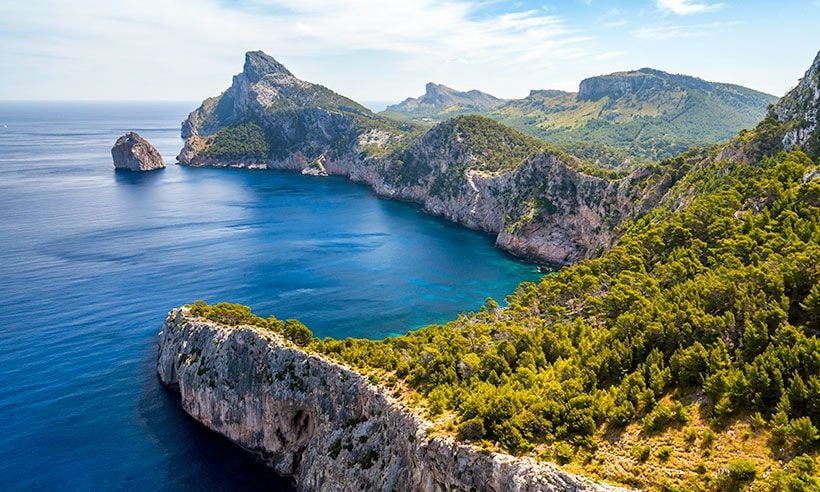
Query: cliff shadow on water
[{"x": 199, "y": 458}]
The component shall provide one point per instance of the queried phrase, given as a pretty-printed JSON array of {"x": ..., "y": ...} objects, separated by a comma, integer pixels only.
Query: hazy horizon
[{"x": 385, "y": 52}]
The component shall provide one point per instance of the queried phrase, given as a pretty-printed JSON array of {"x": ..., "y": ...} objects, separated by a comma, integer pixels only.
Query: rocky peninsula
[
  {"x": 540, "y": 202},
  {"x": 324, "y": 423},
  {"x": 133, "y": 153}
]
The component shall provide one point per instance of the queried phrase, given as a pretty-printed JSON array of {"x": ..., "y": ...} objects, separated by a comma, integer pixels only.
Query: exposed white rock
[
  {"x": 324, "y": 423},
  {"x": 801, "y": 108}
]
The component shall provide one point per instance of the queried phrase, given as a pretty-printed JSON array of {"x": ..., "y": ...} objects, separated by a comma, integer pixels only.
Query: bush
[
  {"x": 563, "y": 453},
  {"x": 663, "y": 415},
  {"x": 664, "y": 453},
  {"x": 471, "y": 430},
  {"x": 799, "y": 476},
  {"x": 801, "y": 433},
  {"x": 297, "y": 333},
  {"x": 641, "y": 453},
  {"x": 742, "y": 470}
]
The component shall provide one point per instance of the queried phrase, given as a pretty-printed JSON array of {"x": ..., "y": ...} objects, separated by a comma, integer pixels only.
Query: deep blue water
[{"x": 92, "y": 260}]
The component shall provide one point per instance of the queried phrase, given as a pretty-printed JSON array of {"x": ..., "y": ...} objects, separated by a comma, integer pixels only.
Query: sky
[{"x": 385, "y": 50}]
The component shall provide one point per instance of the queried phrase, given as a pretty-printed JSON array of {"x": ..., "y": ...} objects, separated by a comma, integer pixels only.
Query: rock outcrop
[
  {"x": 800, "y": 109},
  {"x": 438, "y": 97},
  {"x": 540, "y": 205},
  {"x": 324, "y": 423},
  {"x": 134, "y": 153}
]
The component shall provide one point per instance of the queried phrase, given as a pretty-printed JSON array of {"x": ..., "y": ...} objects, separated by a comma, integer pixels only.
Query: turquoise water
[{"x": 92, "y": 260}]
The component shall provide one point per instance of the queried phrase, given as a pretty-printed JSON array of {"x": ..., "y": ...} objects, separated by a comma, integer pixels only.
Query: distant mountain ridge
[
  {"x": 439, "y": 100},
  {"x": 630, "y": 116}
]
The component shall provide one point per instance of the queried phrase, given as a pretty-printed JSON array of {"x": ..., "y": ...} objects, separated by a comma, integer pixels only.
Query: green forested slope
[
  {"x": 685, "y": 358},
  {"x": 624, "y": 118}
]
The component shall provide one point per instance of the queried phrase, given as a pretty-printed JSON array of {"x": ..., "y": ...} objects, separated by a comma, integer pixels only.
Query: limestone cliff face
[
  {"x": 539, "y": 204},
  {"x": 323, "y": 423},
  {"x": 800, "y": 108}
]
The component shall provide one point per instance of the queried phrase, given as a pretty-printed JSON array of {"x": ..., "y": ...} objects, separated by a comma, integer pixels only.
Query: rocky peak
[
  {"x": 440, "y": 96},
  {"x": 642, "y": 82},
  {"x": 134, "y": 153},
  {"x": 258, "y": 64},
  {"x": 431, "y": 88},
  {"x": 437, "y": 94}
]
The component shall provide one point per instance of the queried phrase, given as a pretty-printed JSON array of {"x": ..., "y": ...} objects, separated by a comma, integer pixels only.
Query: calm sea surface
[{"x": 92, "y": 260}]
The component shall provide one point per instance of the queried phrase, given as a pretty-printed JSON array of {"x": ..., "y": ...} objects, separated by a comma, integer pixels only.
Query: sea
[{"x": 92, "y": 260}]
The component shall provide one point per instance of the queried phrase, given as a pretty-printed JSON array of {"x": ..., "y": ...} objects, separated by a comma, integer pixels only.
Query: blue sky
[{"x": 387, "y": 50}]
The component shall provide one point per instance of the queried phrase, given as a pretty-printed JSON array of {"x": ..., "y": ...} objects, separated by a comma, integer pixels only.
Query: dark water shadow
[
  {"x": 197, "y": 458},
  {"x": 126, "y": 177}
]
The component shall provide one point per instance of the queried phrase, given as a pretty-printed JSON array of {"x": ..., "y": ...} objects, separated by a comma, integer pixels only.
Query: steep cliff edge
[
  {"x": 541, "y": 202},
  {"x": 323, "y": 423}
]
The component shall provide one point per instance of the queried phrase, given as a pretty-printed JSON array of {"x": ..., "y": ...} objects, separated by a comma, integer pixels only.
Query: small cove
[{"x": 91, "y": 260}]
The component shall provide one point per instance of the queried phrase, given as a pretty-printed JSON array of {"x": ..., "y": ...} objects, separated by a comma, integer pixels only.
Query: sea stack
[{"x": 134, "y": 153}]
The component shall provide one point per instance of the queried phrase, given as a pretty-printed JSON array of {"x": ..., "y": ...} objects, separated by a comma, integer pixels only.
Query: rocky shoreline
[
  {"x": 323, "y": 423},
  {"x": 538, "y": 202}
]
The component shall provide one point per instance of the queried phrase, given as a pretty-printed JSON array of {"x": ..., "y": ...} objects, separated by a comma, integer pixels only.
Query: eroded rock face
[
  {"x": 801, "y": 108},
  {"x": 134, "y": 153},
  {"x": 323, "y": 423}
]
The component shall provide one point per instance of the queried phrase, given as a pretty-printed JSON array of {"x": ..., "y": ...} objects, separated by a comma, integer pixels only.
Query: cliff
[
  {"x": 470, "y": 169},
  {"x": 800, "y": 111},
  {"x": 323, "y": 423}
]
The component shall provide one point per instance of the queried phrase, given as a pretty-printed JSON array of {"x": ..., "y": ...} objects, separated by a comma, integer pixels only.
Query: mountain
[
  {"x": 641, "y": 115},
  {"x": 269, "y": 113},
  {"x": 542, "y": 203},
  {"x": 684, "y": 356},
  {"x": 440, "y": 102}
]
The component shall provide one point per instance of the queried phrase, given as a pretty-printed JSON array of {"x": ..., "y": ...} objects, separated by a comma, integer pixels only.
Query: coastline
[{"x": 324, "y": 423}]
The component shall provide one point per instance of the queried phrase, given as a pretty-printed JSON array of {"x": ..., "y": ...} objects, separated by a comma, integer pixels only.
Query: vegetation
[
  {"x": 237, "y": 315},
  {"x": 690, "y": 346},
  {"x": 246, "y": 140},
  {"x": 721, "y": 298},
  {"x": 678, "y": 113}
]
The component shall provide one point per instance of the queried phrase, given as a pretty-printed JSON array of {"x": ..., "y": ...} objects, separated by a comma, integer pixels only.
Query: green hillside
[
  {"x": 626, "y": 117},
  {"x": 684, "y": 358}
]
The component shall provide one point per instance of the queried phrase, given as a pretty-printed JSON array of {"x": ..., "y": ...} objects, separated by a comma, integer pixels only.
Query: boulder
[{"x": 134, "y": 153}]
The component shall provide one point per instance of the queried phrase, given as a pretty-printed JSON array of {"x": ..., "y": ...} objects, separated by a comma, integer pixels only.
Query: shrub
[
  {"x": 801, "y": 433},
  {"x": 708, "y": 438},
  {"x": 297, "y": 333},
  {"x": 663, "y": 415},
  {"x": 742, "y": 470},
  {"x": 664, "y": 453},
  {"x": 641, "y": 453},
  {"x": 799, "y": 476},
  {"x": 563, "y": 453},
  {"x": 471, "y": 430}
]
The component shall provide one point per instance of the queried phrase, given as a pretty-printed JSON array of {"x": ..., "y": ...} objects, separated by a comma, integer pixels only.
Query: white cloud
[
  {"x": 608, "y": 55},
  {"x": 159, "y": 47},
  {"x": 669, "y": 31},
  {"x": 687, "y": 7}
]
